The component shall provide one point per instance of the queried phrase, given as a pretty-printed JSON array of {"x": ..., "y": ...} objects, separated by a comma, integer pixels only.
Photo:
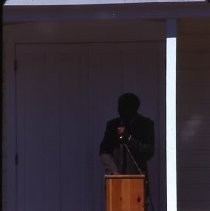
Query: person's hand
[
  {"x": 112, "y": 173},
  {"x": 116, "y": 173}
]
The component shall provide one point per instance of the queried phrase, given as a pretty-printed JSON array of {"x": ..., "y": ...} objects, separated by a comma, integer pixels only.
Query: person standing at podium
[{"x": 128, "y": 141}]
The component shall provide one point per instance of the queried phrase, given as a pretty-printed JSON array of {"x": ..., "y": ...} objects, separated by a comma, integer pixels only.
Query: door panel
[{"x": 65, "y": 94}]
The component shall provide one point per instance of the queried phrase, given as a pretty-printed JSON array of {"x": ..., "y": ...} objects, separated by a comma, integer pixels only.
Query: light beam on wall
[
  {"x": 79, "y": 2},
  {"x": 171, "y": 116}
]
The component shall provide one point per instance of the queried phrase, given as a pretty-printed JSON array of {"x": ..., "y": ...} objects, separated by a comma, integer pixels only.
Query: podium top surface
[{"x": 124, "y": 176}]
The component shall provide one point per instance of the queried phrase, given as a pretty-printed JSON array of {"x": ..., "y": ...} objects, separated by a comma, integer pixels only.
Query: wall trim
[{"x": 106, "y": 12}]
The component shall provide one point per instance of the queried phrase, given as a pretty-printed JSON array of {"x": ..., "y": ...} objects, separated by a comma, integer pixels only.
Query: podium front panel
[{"x": 125, "y": 192}]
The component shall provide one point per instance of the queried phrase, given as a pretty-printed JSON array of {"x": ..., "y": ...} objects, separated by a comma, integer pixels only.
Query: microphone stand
[
  {"x": 132, "y": 158},
  {"x": 140, "y": 172}
]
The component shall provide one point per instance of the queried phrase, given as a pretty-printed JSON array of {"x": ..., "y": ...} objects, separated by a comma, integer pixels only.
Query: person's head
[{"x": 128, "y": 105}]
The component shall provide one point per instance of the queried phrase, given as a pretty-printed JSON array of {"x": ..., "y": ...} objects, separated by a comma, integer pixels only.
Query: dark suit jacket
[{"x": 141, "y": 145}]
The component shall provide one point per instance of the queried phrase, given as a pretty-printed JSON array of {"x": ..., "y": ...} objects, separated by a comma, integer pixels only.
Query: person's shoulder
[
  {"x": 144, "y": 119},
  {"x": 113, "y": 121}
]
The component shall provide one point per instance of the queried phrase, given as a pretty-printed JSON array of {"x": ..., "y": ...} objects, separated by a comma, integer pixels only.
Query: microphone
[
  {"x": 121, "y": 130},
  {"x": 125, "y": 138}
]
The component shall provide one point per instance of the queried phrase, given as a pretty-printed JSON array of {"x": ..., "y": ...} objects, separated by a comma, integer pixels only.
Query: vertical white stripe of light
[
  {"x": 171, "y": 116},
  {"x": 77, "y": 2}
]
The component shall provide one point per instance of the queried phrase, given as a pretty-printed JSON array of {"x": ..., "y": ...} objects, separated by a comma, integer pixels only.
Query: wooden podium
[{"x": 125, "y": 192}]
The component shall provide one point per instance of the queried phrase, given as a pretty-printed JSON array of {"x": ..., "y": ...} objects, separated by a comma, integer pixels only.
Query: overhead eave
[{"x": 106, "y": 12}]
